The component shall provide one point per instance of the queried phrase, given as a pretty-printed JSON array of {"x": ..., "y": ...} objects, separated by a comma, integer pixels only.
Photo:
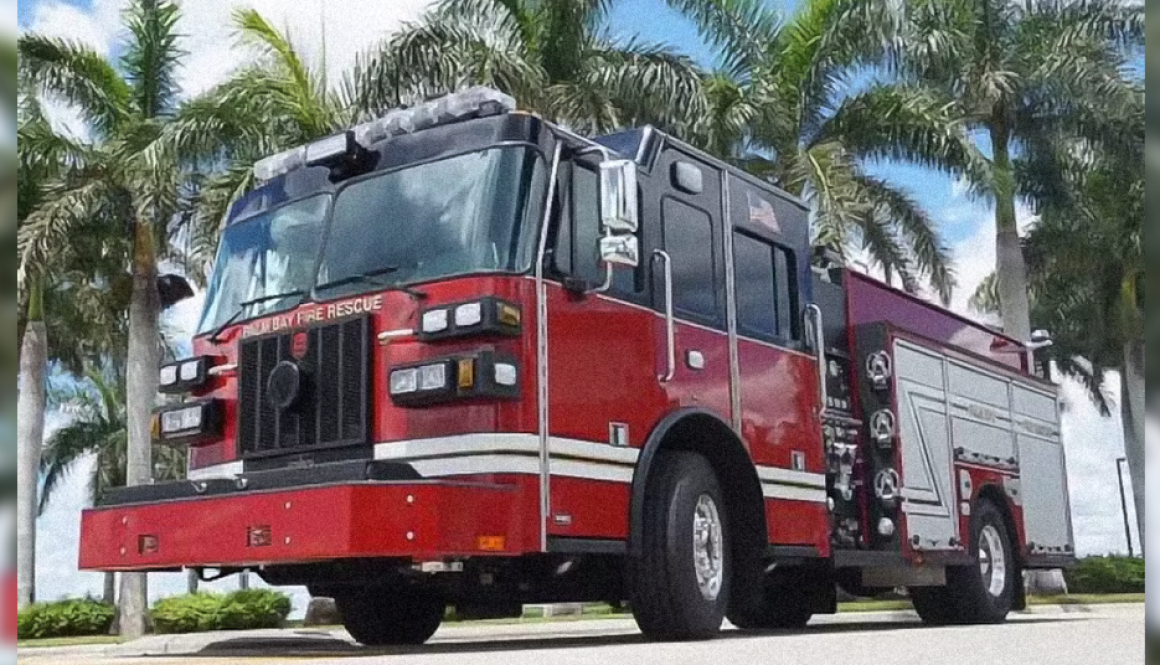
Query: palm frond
[
  {"x": 78, "y": 75},
  {"x": 152, "y": 55},
  {"x": 742, "y": 31},
  {"x": 914, "y": 228}
]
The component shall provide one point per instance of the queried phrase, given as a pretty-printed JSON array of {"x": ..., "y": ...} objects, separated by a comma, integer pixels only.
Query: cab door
[
  {"x": 683, "y": 213},
  {"x": 603, "y": 392}
]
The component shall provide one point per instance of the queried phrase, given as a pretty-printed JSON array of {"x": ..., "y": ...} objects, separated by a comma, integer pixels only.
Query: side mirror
[
  {"x": 620, "y": 250},
  {"x": 1039, "y": 339},
  {"x": 618, "y": 206}
]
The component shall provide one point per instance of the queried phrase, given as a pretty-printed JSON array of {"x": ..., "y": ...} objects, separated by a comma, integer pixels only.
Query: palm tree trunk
[
  {"x": 1132, "y": 402},
  {"x": 30, "y": 405},
  {"x": 1011, "y": 268},
  {"x": 191, "y": 581},
  {"x": 141, "y": 395}
]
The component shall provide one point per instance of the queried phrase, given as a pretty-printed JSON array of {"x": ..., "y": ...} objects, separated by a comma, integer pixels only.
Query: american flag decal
[{"x": 761, "y": 212}]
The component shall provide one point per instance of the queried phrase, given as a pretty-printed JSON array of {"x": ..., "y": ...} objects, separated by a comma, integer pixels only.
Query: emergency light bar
[{"x": 477, "y": 102}]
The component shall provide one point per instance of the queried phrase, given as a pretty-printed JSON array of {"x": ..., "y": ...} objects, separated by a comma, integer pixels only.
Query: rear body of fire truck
[{"x": 463, "y": 356}]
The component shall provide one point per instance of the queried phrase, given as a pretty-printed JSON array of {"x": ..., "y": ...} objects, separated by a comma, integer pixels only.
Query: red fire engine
[{"x": 460, "y": 355}]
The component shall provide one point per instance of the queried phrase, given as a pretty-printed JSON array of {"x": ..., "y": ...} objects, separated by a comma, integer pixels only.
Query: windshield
[
  {"x": 456, "y": 216},
  {"x": 271, "y": 253},
  {"x": 451, "y": 217}
]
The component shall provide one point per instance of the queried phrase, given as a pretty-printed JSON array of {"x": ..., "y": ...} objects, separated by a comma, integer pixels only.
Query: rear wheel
[
  {"x": 385, "y": 617},
  {"x": 983, "y": 592},
  {"x": 680, "y": 584}
]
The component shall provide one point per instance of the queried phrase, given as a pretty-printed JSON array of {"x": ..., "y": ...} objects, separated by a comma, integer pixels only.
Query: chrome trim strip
[
  {"x": 513, "y": 443},
  {"x": 731, "y": 307},
  {"x": 542, "y": 351}
]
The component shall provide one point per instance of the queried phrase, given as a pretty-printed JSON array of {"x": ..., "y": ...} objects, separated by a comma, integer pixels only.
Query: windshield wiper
[
  {"x": 368, "y": 276},
  {"x": 242, "y": 306}
]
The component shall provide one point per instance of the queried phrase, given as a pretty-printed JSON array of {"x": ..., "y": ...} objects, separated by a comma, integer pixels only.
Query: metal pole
[{"x": 1124, "y": 503}]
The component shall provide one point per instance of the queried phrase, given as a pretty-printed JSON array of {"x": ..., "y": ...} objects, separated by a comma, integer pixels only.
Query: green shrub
[
  {"x": 1106, "y": 574},
  {"x": 65, "y": 618},
  {"x": 240, "y": 610}
]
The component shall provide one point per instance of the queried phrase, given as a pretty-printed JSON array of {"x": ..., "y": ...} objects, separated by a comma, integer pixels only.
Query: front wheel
[
  {"x": 388, "y": 617},
  {"x": 680, "y": 584}
]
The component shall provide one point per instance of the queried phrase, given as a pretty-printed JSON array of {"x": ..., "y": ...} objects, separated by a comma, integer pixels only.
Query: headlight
[
  {"x": 184, "y": 375},
  {"x": 469, "y": 314},
  {"x": 404, "y": 381},
  {"x": 476, "y": 375},
  {"x": 432, "y": 377},
  {"x": 486, "y": 316},
  {"x": 187, "y": 422}
]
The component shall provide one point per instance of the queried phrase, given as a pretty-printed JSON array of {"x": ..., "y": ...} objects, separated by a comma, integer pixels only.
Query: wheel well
[{"x": 703, "y": 432}]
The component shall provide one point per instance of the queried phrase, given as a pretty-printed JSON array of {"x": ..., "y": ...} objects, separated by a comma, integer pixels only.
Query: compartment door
[{"x": 925, "y": 452}]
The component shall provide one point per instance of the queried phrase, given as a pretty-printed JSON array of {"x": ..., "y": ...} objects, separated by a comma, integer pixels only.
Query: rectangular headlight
[
  {"x": 433, "y": 377},
  {"x": 484, "y": 316},
  {"x": 184, "y": 375},
  {"x": 189, "y": 422},
  {"x": 404, "y": 381},
  {"x": 479, "y": 375}
]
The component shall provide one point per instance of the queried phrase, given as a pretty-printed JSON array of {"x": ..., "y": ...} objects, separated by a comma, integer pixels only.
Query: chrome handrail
[
  {"x": 542, "y": 354},
  {"x": 819, "y": 354},
  {"x": 670, "y": 323}
]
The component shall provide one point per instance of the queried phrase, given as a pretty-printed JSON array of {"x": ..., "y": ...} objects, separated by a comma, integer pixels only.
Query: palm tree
[
  {"x": 553, "y": 56},
  {"x": 98, "y": 427},
  {"x": 1024, "y": 78},
  {"x": 779, "y": 107},
  {"x": 1085, "y": 261},
  {"x": 126, "y": 107}
]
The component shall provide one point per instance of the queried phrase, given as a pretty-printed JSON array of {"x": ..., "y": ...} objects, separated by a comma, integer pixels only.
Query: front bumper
[{"x": 422, "y": 520}]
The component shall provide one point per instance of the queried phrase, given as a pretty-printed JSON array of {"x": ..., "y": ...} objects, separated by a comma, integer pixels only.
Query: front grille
[{"x": 331, "y": 409}]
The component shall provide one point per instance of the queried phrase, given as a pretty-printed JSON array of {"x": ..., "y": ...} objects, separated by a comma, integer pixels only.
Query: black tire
[
  {"x": 934, "y": 605},
  {"x": 666, "y": 597},
  {"x": 787, "y": 601},
  {"x": 387, "y": 617},
  {"x": 968, "y": 597},
  {"x": 975, "y": 598}
]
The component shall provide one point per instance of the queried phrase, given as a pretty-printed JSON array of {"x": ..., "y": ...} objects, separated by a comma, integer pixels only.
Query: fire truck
[{"x": 462, "y": 356}]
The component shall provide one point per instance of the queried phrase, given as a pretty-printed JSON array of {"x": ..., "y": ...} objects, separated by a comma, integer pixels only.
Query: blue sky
[{"x": 967, "y": 226}]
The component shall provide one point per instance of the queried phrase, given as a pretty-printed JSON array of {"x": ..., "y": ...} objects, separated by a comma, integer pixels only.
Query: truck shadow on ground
[{"x": 324, "y": 645}]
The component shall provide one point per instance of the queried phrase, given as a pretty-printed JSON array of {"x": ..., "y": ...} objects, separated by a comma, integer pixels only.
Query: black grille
[{"x": 331, "y": 409}]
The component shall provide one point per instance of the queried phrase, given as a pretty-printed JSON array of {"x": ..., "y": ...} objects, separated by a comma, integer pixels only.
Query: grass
[
  {"x": 83, "y": 640},
  {"x": 602, "y": 611}
]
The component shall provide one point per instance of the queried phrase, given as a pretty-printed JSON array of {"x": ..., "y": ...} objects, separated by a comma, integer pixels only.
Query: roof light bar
[{"x": 477, "y": 102}]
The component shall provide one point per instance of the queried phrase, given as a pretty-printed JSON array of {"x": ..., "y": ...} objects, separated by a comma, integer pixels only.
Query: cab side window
[
  {"x": 688, "y": 238},
  {"x": 765, "y": 289}
]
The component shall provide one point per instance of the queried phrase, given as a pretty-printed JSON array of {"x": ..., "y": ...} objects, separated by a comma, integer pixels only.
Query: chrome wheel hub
[
  {"x": 992, "y": 561},
  {"x": 708, "y": 547}
]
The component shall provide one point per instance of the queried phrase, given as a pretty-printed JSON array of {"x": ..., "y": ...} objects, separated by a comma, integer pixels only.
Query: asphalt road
[{"x": 1112, "y": 635}]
